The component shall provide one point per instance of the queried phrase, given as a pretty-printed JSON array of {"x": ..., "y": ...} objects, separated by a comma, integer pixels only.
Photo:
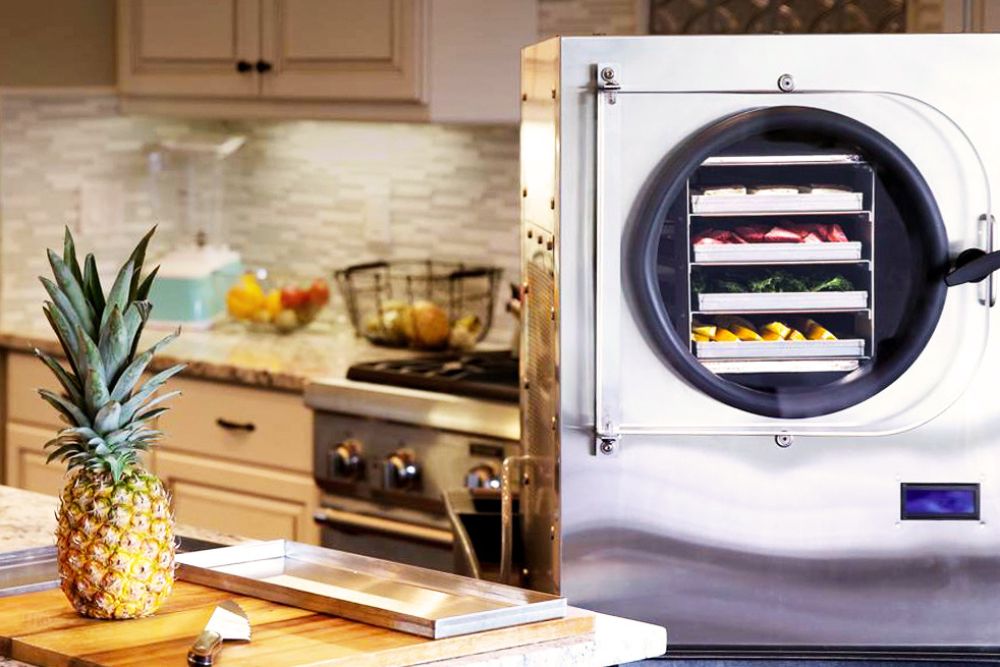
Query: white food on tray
[
  {"x": 775, "y": 190},
  {"x": 777, "y": 203},
  {"x": 724, "y": 191}
]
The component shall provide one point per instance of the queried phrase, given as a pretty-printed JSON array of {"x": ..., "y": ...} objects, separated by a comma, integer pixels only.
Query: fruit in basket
[
  {"x": 465, "y": 332},
  {"x": 245, "y": 297},
  {"x": 430, "y": 325},
  {"x": 293, "y": 297},
  {"x": 114, "y": 533},
  {"x": 286, "y": 321},
  {"x": 319, "y": 293}
]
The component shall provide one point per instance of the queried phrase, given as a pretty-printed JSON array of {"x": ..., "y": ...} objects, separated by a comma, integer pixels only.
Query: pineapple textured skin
[
  {"x": 115, "y": 534},
  {"x": 115, "y": 544}
]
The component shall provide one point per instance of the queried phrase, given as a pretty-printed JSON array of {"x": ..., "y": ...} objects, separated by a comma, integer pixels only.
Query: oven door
[
  {"x": 784, "y": 265},
  {"x": 386, "y": 538}
]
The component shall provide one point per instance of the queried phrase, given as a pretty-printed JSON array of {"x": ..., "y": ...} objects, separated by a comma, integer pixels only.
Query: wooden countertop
[{"x": 27, "y": 521}]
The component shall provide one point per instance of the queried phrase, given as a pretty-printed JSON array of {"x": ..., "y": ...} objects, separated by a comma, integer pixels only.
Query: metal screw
[
  {"x": 552, "y": 203},
  {"x": 608, "y": 74},
  {"x": 783, "y": 440},
  {"x": 786, "y": 83},
  {"x": 524, "y": 97},
  {"x": 530, "y": 233},
  {"x": 553, "y": 93},
  {"x": 607, "y": 447},
  {"x": 524, "y": 192}
]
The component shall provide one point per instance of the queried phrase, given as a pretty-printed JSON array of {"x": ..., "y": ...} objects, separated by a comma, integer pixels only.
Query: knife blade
[{"x": 228, "y": 622}]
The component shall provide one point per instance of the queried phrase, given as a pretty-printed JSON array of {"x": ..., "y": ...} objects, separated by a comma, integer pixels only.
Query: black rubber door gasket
[{"x": 922, "y": 220}]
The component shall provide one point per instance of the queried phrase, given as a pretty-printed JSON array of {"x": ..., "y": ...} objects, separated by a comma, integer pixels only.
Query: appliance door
[
  {"x": 380, "y": 537},
  {"x": 785, "y": 265}
]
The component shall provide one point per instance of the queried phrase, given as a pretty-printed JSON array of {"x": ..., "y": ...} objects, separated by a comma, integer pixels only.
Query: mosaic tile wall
[{"x": 303, "y": 196}]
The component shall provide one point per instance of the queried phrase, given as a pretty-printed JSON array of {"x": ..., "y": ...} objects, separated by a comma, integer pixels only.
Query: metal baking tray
[
  {"x": 773, "y": 253},
  {"x": 370, "y": 590},
  {"x": 838, "y": 202},
  {"x": 738, "y": 366},
  {"x": 773, "y": 302},
  {"x": 849, "y": 348}
]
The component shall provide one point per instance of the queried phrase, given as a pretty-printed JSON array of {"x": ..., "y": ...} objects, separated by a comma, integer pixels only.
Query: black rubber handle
[
  {"x": 263, "y": 66},
  {"x": 243, "y": 66},
  {"x": 235, "y": 426},
  {"x": 972, "y": 266}
]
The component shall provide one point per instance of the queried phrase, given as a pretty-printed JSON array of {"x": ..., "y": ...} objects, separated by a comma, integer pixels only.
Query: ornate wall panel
[{"x": 699, "y": 17}]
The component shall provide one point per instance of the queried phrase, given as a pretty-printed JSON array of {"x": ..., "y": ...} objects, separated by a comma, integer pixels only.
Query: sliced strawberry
[
  {"x": 781, "y": 235},
  {"x": 836, "y": 234}
]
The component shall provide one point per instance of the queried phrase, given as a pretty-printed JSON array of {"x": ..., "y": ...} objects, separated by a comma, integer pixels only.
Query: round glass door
[{"x": 789, "y": 261}]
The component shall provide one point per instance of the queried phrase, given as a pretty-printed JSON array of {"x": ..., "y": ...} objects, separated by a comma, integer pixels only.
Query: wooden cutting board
[{"x": 41, "y": 628}]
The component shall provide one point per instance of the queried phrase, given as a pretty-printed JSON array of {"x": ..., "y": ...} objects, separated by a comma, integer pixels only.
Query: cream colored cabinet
[
  {"x": 236, "y": 459},
  {"x": 325, "y": 58},
  {"x": 343, "y": 49},
  {"x": 239, "y": 499},
  {"x": 188, "y": 47}
]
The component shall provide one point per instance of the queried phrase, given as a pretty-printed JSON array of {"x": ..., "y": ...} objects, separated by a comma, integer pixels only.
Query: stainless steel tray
[
  {"x": 370, "y": 590},
  {"x": 772, "y": 302},
  {"x": 838, "y": 202},
  {"x": 775, "y": 253},
  {"x": 850, "y": 348}
]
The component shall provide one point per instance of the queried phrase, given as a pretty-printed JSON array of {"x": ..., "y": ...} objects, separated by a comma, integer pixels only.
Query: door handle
[
  {"x": 972, "y": 266},
  {"x": 249, "y": 427}
]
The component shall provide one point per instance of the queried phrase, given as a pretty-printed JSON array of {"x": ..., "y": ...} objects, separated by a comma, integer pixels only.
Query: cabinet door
[
  {"x": 25, "y": 459},
  {"x": 239, "y": 499},
  {"x": 188, "y": 47},
  {"x": 344, "y": 49}
]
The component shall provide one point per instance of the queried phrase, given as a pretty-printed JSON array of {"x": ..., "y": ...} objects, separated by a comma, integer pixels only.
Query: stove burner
[{"x": 490, "y": 375}]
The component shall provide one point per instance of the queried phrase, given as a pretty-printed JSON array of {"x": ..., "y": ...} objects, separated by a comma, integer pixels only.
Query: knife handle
[{"x": 205, "y": 648}]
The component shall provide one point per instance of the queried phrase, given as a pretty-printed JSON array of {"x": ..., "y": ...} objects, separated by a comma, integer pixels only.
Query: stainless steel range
[{"x": 386, "y": 452}]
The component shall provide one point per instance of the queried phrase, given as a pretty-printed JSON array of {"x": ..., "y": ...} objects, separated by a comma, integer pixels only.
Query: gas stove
[{"x": 490, "y": 375}]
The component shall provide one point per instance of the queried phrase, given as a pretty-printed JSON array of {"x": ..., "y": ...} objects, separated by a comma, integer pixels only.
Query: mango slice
[
  {"x": 724, "y": 335},
  {"x": 779, "y": 328},
  {"x": 705, "y": 330},
  {"x": 744, "y": 333},
  {"x": 795, "y": 334}
]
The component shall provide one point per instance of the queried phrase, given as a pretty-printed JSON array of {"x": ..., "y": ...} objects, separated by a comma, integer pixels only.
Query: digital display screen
[{"x": 939, "y": 501}]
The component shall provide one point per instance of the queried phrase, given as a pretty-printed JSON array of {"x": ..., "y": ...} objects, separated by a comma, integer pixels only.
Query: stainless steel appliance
[
  {"x": 751, "y": 435},
  {"x": 395, "y": 436}
]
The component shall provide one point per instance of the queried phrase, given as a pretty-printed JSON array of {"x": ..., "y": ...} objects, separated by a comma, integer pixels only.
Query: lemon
[
  {"x": 724, "y": 335},
  {"x": 698, "y": 338},
  {"x": 795, "y": 334},
  {"x": 708, "y": 331},
  {"x": 779, "y": 328},
  {"x": 744, "y": 333}
]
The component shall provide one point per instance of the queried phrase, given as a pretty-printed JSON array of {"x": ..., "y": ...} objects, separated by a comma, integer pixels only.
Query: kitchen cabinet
[
  {"x": 324, "y": 58},
  {"x": 250, "y": 501},
  {"x": 236, "y": 459}
]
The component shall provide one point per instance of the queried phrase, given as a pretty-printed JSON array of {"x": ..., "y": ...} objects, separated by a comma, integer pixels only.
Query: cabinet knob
[
  {"x": 264, "y": 66},
  {"x": 243, "y": 66},
  {"x": 483, "y": 476}
]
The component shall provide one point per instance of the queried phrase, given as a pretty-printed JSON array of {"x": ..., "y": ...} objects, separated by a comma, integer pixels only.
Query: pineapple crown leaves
[{"x": 108, "y": 413}]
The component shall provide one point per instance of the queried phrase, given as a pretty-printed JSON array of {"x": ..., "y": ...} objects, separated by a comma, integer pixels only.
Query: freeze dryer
[{"x": 759, "y": 395}]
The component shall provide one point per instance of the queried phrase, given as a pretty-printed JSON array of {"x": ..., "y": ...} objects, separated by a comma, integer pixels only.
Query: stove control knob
[
  {"x": 483, "y": 476},
  {"x": 346, "y": 461},
  {"x": 401, "y": 471}
]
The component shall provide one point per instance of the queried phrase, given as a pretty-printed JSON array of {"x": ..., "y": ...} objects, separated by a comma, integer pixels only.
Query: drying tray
[
  {"x": 850, "y": 348},
  {"x": 839, "y": 202},
  {"x": 370, "y": 590},
  {"x": 776, "y": 253},
  {"x": 773, "y": 302}
]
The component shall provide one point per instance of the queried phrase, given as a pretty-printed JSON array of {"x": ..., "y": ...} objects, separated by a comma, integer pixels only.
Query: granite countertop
[
  {"x": 232, "y": 353},
  {"x": 28, "y": 521}
]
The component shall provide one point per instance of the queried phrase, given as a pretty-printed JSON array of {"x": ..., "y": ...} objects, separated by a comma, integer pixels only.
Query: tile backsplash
[{"x": 305, "y": 197}]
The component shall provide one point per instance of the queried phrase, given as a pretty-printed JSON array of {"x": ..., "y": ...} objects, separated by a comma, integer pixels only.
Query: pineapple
[{"x": 114, "y": 535}]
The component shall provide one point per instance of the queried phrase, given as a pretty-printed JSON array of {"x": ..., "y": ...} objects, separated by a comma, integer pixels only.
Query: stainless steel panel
[
  {"x": 391, "y": 595},
  {"x": 713, "y": 530}
]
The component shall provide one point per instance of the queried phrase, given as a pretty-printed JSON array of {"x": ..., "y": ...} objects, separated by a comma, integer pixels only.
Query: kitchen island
[{"x": 27, "y": 521}]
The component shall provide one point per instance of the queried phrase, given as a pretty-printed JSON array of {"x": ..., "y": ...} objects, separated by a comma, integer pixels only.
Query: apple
[
  {"x": 292, "y": 297},
  {"x": 319, "y": 293}
]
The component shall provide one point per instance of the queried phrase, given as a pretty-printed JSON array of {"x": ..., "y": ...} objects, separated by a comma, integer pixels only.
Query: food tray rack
[
  {"x": 783, "y": 302},
  {"x": 370, "y": 590},
  {"x": 840, "y": 202},
  {"x": 776, "y": 253},
  {"x": 847, "y": 348},
  {"x": 751, "y": 356}
]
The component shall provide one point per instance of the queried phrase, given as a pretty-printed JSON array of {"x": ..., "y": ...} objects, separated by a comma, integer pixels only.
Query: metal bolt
[
  {"x": 783, "y": 440},
  {"x": 608, "y": 74},
  {"x": 553, "y": 93},
  {"x": 552, "y": 203},
  {"x": 786, "y": 83},
  {"x": 530, "y": 233},
  {"x": 524, "y": 97},
  {"x": 607, "y": 447},
  {"x": 524, "y": 192}
]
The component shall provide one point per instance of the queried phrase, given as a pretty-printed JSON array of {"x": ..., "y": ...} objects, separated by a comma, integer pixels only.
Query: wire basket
[{"x": 424, "y": 304}]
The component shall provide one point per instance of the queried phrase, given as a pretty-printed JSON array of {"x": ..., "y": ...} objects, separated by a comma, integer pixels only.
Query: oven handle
[{"x": 372, "y": 524}]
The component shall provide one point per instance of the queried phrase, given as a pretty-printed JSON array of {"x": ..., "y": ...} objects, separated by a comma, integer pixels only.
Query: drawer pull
[{"x": 236, "y": 426}]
